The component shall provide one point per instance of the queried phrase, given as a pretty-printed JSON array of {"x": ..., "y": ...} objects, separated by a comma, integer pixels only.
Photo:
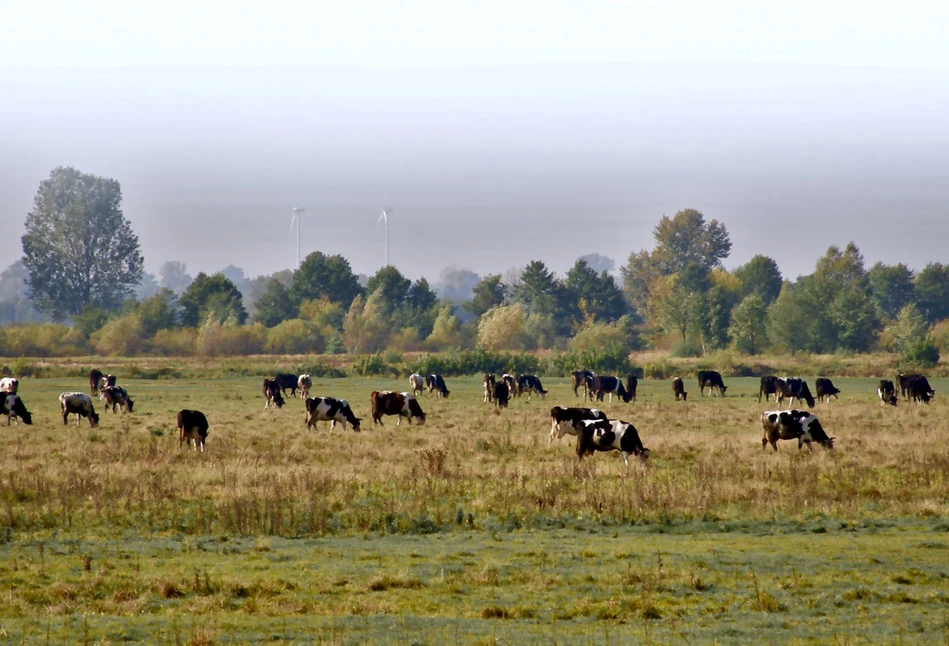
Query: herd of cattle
[{"x": 592, "y": 428}]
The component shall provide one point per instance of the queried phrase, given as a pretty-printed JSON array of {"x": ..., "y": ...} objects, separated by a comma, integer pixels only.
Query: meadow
[{"x": 470, "y": 529}]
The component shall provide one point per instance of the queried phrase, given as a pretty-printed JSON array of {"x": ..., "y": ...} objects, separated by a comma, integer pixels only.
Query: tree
[
  {"x": 160, "y": 312},
  {"x": 488, "y": 293},
  {"x": 174, "y": 276},
  {"x": 640, "y": 271},
  {"x": 392, "y": 286},
  {"x": 538, "y": 290},
  {"x": 932, "y": 292},
  {"x": 276, "y": 305},
  {"x": 593, "y": 295},
  {"x": 236, "y": 276},
  {"x": 748, "y": 327},
  {"x": 688, "y": 238},
  {"x": 15, "y": 306},
  {"x": 321, "y": 275},
  {"x": 78, "y": 247},
  {"x": 365, "y": 328},
  {"x": 760, "y": 276},
  {"x": 421, "y": 297},
  {"x": 891, "y": 288},
  {"x": 500, "y": 328},
  {"x": 839, "y": 270},
  {"x": 456, "y": 285},
  {"x": 855, "y": 317},
  {"x": 213, "y": 296},
  {"x": 598, "y": 263},
  {"x": 910, "y": 334},
  {"x": 148, "y": 286}
]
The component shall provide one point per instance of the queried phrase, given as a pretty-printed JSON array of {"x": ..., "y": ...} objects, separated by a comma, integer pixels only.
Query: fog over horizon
[{"x": 490, "y": 166}]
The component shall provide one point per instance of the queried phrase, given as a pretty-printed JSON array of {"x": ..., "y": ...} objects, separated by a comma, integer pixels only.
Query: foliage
[
  {"x": 923, "y": 354},
  {"x": 211, "y": 296},
  {"x": 611, "y": 360},
  {"x": 275, "y": 305},
  {"x": 760, "y": 276},
  {"x": 123, "y": 336},
  {"x": 174, "y": 276},
  {"x": 640, "y": 272},
  {"x": 42, "y": 340},
  {"x": 891, "y": 288},
  {"x": 89, "y": 320},
  {"x": 447, "y": 333},
  {"x": 391, "y": 288},
  {"x": 320, "y": 275},
  {"x": 855, "y": 318},
  {"x": 160, "y": 312},
  {"x": 687, "y": 348},
  {"x": 294, "y": 336},
  {"x": 217, "y": 339},
  {"x": 687, "y": 238},
  {"x": 841, "y": 270},
  {"x": 174, "y": 343},
  {"x": 932, "y": 292},
  {"x": 748, "y": 324},
  {"x": 366, "y": 328},
  {"x": 489, "y": 293},
  {"x": 540, "y": 293},
  {"x": 500, "y": 327},
  {"x": 908, "y": 330},
  {"x": 618, "y": 336},
  {"x": 78, "y": 247},
  {"x": 593, "y": 296}
]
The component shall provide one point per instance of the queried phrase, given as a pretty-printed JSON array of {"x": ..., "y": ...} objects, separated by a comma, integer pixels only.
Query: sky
[{"x": 497, "y": 132}]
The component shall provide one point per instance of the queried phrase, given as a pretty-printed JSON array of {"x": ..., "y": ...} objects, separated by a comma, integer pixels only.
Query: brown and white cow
[
  {"x": 391, "y": 403},
  {"x": 582, "y": 379},
  {"x": 416, "y": 383},
  {"x": 489, "y": 382},
  {"x": 330, "y": 409},
  {"x": 272, "y": 393},
  {"x": 192, "y": 428},
  {"x": 80, "y": 405},
  {"x": 678, "y": 387},
  {"x": 799, "y": 425},
  {"x": 609, "y": 435},
  {"x": 304, "y": 383},
  {"x": 562, "y": 420},
  {"x": 13, "y": 407}
]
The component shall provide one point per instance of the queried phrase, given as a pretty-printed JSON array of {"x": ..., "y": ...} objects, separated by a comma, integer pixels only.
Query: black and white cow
[
  {"x": 304, "y": 383},
  {"x": 14, "y": 408},
  {"x": 712, "y": 380},
  {"x": 919, "y": 389},
  {"x": 501, "y": 395},
  {"x": 80, "y": 405},
  {"x": 272, "y": 393},
  {"x": 95, "y": 376},
  {"x": 678, "y": 387},
  {"x": 436, "y": 384},
  {"x": 192, "y": 428},
  {"x": 511, "y": 382},
  {"x": 9, "y": 385},
  {"x": 887, "y": 393},
  {"x": 108, "y": 381},
  {"x": 794, "y": 388},
  {"x": 401, "y": 404},
  {"x": 609, "y": 435},
  {"x": 609, "y": 385},
  {"x": 826, "y": 389},
  {"x": 530, "y": 384},
  {"x": 117, "y": 397},
  {"x": 582, "y": 379},
  {"x": 768, "y": 388},
  {"x": 329, "y": 409},
  {"x": 489, "y": 382},
  {"x": 799, "y": 425},
  {"x": 416, "y": 383},
  {"x": 286, "y": 381},
  {"x": 562, "y": 420}
]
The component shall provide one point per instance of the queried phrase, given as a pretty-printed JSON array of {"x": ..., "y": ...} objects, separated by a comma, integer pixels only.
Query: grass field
[{"x": 469, "y": 529}]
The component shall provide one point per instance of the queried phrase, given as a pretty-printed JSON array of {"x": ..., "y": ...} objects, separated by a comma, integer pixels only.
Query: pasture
[{"x": 469, "y": 529}]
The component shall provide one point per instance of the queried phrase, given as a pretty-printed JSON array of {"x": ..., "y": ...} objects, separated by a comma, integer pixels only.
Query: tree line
[{"x": 82, "y": 264}]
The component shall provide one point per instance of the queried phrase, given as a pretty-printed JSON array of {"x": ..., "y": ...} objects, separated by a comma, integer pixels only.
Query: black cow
[
  {"x": 768, "y": 388},
  {"x": 530, "y": 384},
  {"x": 584, "y": 379},
  {"x": 678, "y": 387},
  {"x": 437, "y": 384},
  {"x": 285, "y": 381},
  {"x": 329, "y": 409},
  {"x": 95, "y": 376},
  {"x": 562, "y": 420},
  {"x": 826, "y": 389},
  {"x": 501, "y": 395},
  {"x": 903, "y": 381},
  {"x": 117, "y": 397},
  {"x": 887, "y": 393},
  {"x": 489, "y": 382},
  {"x": 711, "y": 380},
  {"x": 919, "y": 389},
  {"x": 192, "y": 428},
  {"x": 794, "y": 388},
  {"x": 799, "y": 425},
  {"x": 272, "y": 393},
  {"x": 609, "y": 435},
  {"x": 611, "y": 385},
  {"x": 13, "y": 407}
]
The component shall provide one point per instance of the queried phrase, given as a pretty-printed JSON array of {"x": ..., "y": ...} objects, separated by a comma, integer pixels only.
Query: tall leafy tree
[
  {"x": 538, "y": 290},
  {"x": 320, "y": 275},
  {"x": 175, "y": 276},
  {"x": 214, "y": 296},
  {"x": 593, "y": 295},
  {"x": 932, "y": 292},
  {"x": 891, "y": 288},
  {"x": 420, "y": 296},
  {"x": 856, "y": 320},
  {"x": 275, "y": 305},
  {"x": 760, "y": 276},
  {"x": 839, "y": 270},
  {"x": 490, "y": 292},
  {"x": 748, "y": 324},
  {"x": 639, "y": 273},
  {"x": 392, "y": 286},
  {"x": 160, "y": 312},
  {"x": 79, "y": 248},
  {"x": 688, "y": 238}
]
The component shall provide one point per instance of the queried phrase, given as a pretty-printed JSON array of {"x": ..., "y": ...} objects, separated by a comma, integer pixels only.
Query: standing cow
[
  {"x": 562, "y": 420},
  {"x": 712, "y": 380},
  {"x": 80, "y": 405},
  {"x": 887, "y": 393},
  {"x": 416, "y": 383},
  {"x": 489, "y": 382},
  {"x": 437, "y": 384},
  {"x": 192, "y": 428},
  {"x": 400, "y": 404},
  {"x": 272, "y": 393},
  {"x": 95, "y": 376},
  {"x": 502, "y": 395},
  {"x": 117, "y": 397},
  {"x": 799, "y": 425},
  {"x": 826, "y": 389},
  {"x": 304, "y": 383},
  {"x": 286, "y": 381},
  {"x": 582, "y": 379}
]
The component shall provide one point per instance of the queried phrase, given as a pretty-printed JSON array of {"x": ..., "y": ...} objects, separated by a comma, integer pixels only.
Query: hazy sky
[{"x": 499, "y": 132}]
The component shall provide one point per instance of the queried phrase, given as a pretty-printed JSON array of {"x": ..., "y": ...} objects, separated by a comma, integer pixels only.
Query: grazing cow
[
  {"x": 678, "y": 387},
  {"x": 582, "y": 378},
  {"x": 799, "y": 425},
  {"x": 284, "y": 381},
  {"x": 711, "y": 379},
  {"x": 108, "y": 381},
  {"x": 95, "y": 376},
  {"x": 416, "y": 383},
  {"x": 14, "y": 408},
  {"x": 501, "y": 395},
  {"x": 903, "y": 381},
  {"x": 192, "y": 428},
  {"x": 611, "y": 385},
  {"x": 794, "y": 388},
  {"x": 887, "y": 393},
  {"x": 272, "y": 393},
  {"x": 117, "y": 396},
  {"x": 437, "y": 384},
  {"x": 530, "y": 384},
  {"x": 768, "y": 388},
  {"x": 489, "y": 382},
  {"x": 511, "y": 385},
  {"x": 80, "y": 405},
  {"x": 304, "y": 383},
  {"x": 825, "y": 388},
  {"x": 562, "y": 420},
  {"x": 329, "y": 409},
  {"x": 9, "y": 385},
  {"x": 919, "y": 389},
  {"x": 401, "y": 404},
  {"x": 609, "y": 435},
  {"x": 632, "y": 383}
]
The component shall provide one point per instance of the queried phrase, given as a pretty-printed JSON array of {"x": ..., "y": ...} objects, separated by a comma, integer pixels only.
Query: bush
[
  {"x": 294, "y": 336},
  {"x": 687, "y": 348},
  {"x": 122, "y": 337},
  {"x": 174, "y": 343},
  {"x": 922, "y": 354},
  {"x": 222, "y": 340},
  {"x": 42, "y": 340},
  {"x": 612, "y": 360}
]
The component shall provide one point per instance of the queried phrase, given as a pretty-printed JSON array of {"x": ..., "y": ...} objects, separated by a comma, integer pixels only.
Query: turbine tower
[
  {"x": 384, "y": 217},
  {"x": 296, "y": 220}
]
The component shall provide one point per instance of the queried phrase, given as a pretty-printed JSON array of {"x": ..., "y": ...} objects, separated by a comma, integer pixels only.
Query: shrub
[
  {"x": 221, "y": 340},
  {"x": 500, "y": 327},
  {"x": 174, "y": 343},
  {"x": 294, "y": 336},
  {"x": 611, "y": 360},
  {"x": 687, "y": 348},
  {"x": 42, "y": 340},
  {"x": 921, "y": 354},
  {"x": 122, "y": 336}
]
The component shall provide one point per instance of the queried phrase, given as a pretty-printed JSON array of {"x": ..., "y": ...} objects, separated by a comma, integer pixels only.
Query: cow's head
[
  {"x": 724, "y": 388},
  {"x": 130, "y": 403},
  {"x": 94, "y": 419}
]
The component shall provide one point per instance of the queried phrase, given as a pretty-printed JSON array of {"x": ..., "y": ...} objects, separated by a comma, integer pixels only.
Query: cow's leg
[
  {"x": 332, "y": 425},
  {"x": 764, "y": 443},
  {"x": 625, "y": 458}
]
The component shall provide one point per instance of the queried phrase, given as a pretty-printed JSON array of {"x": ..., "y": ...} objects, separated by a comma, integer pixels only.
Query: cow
[
  {"x": 768, "y": 388},
  {"x": 632, "y": 383},
  {"x": 286, "y": 381},
  {"x": 437, "y": 384},
  {"x": 799, "y": 425},
  {"x": 329, "y": 409},
  {"x": 584, "y": 379},
  {"x": 501, "y": 395},
  {"x": 511, "y": 384},
  {"x": 108, "y": 381},
  {"x": 192, "y": 427},
  {"x": 711, "y": 380},
  {"x": 609, "y": 435},
  {"x": 80, "y": 405},
  {"x": 94, "y": 377},
  {"x": 678, "y": 387},
  {"x": 562, "y": 420},
  {"x": 304, "y": 383},
  {"x": 9, "y": 385},
  {"x": 489, "y": 382},
  {"x": 794, "y": 388},
  {"x": 117, "y": 396},
  {"x": 272, "y": 393},
  {"x": 416, "y": 383},
  {"x": 903, "y": 381},
  {"x": 611, "y": 385},
  {"x": 825, "y": 388},
  {"x": 401, "y": 404},
  {"x": 14, "y": 408},
  {"x": 530, "y": 384},
  {"x": 919, "y": 389},
  {"x": 887, "y": 393}
]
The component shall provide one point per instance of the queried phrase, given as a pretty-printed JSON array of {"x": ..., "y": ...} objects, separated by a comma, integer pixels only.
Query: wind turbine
[
  {"x": 296, "y": 220},
  {"x": 384, "y": 217}
]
